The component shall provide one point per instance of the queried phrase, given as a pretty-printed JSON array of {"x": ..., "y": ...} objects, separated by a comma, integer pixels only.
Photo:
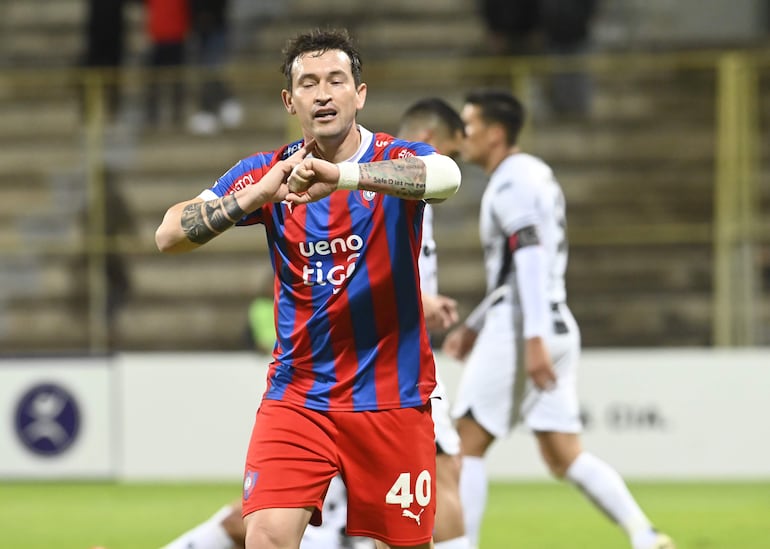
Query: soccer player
[
  {"x": 529, "y": 332},
  {"x": 435, "y": 122},
  {"x": 352, "y": 372}
]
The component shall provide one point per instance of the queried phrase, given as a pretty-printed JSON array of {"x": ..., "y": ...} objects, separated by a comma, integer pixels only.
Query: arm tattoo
[
  {"x": 202, "y": 221},
  {"x": 404, "y": 178}
]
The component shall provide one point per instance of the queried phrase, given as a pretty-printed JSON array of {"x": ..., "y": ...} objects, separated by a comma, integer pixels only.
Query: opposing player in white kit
[{"x": 522, "y": 355}]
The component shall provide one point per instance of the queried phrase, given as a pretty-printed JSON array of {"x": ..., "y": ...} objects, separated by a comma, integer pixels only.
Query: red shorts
[{"x": 386, "y": 458}]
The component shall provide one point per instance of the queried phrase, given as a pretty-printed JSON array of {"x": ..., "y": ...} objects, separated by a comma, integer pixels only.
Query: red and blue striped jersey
[{"x": 350, "y": 332}]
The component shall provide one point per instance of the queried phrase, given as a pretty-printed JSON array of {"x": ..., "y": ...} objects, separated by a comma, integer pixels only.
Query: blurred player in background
[
  {"x": 529, "y": 331},
  {"x": 434, "y": 122},
  {"x": 342, "y": 209}
]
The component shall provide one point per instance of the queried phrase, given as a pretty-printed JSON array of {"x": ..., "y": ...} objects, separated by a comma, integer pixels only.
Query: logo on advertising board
[{"x": 47, "y": 419}]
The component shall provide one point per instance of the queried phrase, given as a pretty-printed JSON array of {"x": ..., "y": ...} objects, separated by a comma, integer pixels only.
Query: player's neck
[
  {"x": 496, "y": 157},
  {"x": 334, "y": 150}
]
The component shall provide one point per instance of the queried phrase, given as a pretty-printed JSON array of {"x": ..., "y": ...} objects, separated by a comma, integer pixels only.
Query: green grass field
[{"x": 520, "y": 515}]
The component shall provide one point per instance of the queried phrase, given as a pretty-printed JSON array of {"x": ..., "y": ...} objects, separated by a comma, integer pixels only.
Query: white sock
[
  {"x": 457, "y": 543},
  {"x": 473, "y": 495},
  {"x": 606, "y": 489},
  {"x": 207, "y": 535}
]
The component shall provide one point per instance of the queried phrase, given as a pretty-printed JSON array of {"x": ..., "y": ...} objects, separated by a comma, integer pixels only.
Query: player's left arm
[
  {"x": 434, "y": 176},
  {"x": 531, "y": 275}
]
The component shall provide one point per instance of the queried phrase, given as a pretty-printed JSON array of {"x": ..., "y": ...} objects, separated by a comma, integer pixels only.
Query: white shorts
[
  {"x": 494, "y": 386},
  {"x": 447, "y": 439}
]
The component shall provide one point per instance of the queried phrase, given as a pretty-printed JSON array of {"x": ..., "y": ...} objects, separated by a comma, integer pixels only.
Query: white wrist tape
[
  {"x": 442, "y": 176},
  {"x": 349, "y": 174}
]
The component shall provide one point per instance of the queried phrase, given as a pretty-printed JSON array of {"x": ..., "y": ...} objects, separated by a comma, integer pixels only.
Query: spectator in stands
[
  {"x": 566, "y": 26},
  {"x": 550, "y": 27},
  {"x": 218, "y": 108},
  {"x": 104, "y": 46},
  {"x": 511, "y": 26},
  {"x": 168, "y": 23}
]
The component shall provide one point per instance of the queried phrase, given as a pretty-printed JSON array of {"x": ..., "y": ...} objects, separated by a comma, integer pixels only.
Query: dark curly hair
[{"x": 319, "y": 40}]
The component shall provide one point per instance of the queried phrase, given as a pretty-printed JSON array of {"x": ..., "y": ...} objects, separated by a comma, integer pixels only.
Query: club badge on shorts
[{"x": 249, "y": 480}]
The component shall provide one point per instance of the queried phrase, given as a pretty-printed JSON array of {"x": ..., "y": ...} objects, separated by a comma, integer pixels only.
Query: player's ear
[
  {"x": 288, "y": 102},
  {"x": 361, "y": 96}
]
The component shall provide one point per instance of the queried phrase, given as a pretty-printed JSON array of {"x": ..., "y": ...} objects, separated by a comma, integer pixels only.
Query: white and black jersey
[
  {"x": 523, "y": 192},
  {"x": 522, "y": 205}
]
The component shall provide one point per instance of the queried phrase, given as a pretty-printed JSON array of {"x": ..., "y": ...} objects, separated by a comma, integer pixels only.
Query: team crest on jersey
[{"x": 368, "y": 195}]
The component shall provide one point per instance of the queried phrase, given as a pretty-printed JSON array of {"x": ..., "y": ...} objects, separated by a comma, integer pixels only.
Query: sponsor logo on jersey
[
  {"x": 242, "y": 182},
  {"x": 382, "y": 143},
  {"x": 291, "y": 149},
  {"x": 317, "y": 274},
  {"x": 47, "y": 419},
  {"x": 408, "y": 514},
  {"x": 405, "y": 153}
]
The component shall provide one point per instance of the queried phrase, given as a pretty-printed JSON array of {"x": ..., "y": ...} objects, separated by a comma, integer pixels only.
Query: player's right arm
[
  {"x": 190, "y": 224},
  {"x": 431, "y": 177}
]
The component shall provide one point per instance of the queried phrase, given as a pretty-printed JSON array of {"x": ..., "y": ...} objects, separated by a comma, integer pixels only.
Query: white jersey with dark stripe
[
  {"x": 427, "y": 261},
  {"x": 522, "y": 192}
]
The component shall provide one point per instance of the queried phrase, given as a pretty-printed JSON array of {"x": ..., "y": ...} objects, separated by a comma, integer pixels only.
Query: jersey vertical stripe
[{"x": 344, "y": 355}]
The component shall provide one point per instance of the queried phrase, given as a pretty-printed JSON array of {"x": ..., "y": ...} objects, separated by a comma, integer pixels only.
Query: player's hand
[
  {"x": 539, "y": 366},
  {"x": 440, "y": 311},
  {"x": 312, "y": 180},
  {"x": 273, "y": 185},
  {"x": 459, "y": 342}
]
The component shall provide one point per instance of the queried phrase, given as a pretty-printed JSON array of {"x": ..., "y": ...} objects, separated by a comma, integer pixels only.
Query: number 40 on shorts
[{"x": 401, "y": 493}]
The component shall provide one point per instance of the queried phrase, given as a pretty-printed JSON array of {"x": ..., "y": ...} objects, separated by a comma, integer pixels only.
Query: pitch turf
[{"x": 520, "y": 515}]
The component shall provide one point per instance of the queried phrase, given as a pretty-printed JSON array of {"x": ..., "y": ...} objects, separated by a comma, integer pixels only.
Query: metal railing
[{"x": 735, "y": 232}]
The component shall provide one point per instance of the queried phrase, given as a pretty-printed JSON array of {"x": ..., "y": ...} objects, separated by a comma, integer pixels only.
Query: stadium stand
[{"x": 643, "y": 159}]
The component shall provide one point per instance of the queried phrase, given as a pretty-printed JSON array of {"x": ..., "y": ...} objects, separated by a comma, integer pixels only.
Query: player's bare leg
[
  {"x": 604, "y": 487},
  {"x": 449, "y": 531},
  {"x": 276, "y": 528}
]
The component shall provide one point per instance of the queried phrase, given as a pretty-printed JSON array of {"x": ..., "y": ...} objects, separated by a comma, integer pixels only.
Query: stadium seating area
[{"x": 638, "y": 174}]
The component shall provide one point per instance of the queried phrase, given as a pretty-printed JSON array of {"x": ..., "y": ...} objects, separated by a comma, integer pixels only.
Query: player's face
[
  {"x": 448, "y": 144},
  {"x": 476, "y": 145},
  {"x": 324, "y": 95}
]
